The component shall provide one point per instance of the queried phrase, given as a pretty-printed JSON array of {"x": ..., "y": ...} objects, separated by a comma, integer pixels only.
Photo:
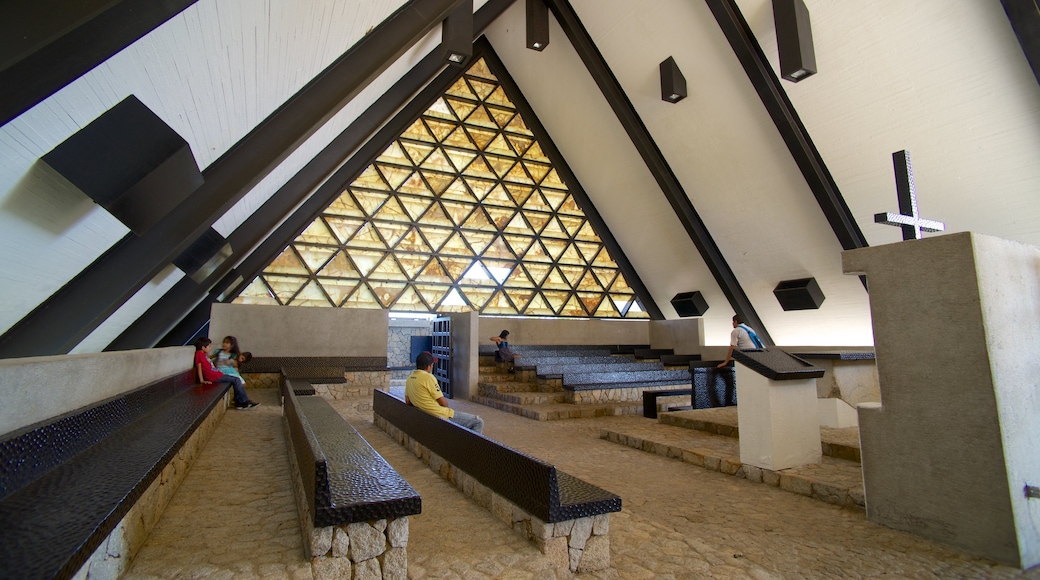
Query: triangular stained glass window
[{"x": 462, "y": 211}]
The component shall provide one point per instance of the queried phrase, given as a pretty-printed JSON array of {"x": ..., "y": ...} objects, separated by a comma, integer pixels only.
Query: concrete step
[{"x": 560, "y": 411}]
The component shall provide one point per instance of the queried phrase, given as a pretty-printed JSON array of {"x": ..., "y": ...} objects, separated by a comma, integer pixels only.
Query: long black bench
[
  {"x": 650, "y": 399},
  {"x": 315, "y": 369},
  {"x": 65, "y": 484}
]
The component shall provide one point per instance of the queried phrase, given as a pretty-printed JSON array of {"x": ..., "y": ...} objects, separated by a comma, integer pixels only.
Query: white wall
[
  {"x": 302, "y": 331},
  {"x": 564, "y": 331}
]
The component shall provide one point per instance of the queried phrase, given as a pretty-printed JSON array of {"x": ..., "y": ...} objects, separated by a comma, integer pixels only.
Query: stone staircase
[{"x": 569, "y": 382}]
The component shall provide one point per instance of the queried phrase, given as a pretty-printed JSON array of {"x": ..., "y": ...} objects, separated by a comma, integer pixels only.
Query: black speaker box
[
  {"x": 129, "y": 162},
  {"x": 794, "y": 40},
  {"x": 801, "y": 294},
  {"x": 673, "y": 83},
  {"x": 688, "y": 304}
]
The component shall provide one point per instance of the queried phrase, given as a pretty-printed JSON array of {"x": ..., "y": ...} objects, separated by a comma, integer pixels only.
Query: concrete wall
[
  {"x": 950, "y": 448},
  {"x": 563, "y": 331},
  {"x": 465, "y": 341},
  {"x": 39, "y": 388},
  {"x": 683, "y": 336},
  {"x": 302, "y": 331}
]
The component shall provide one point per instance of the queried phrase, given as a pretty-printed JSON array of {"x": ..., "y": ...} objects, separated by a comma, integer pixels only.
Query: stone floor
[{"x": 234, "y": 516}]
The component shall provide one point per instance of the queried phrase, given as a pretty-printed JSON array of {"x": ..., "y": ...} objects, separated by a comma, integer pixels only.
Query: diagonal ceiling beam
[
  {"x": 656, "y": 163},
  {"x": 79, "y": 307},
  {"x": 47, "y": 45},
  {"x": 784, "y": 116},
  {"x": 1025, "y": 21},
  {"x": 185, "y": 308}
]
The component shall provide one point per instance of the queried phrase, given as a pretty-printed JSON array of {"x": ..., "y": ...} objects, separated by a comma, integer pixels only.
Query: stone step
[
  {"x": 576, "y": 369},
  {"x": 613, "y": 359},
  {"x": 528, "y": 397},
  {"x": 841, "y": 443},
  {"x": 560, "y": 411},
  {"x": 493, "y": 388}
]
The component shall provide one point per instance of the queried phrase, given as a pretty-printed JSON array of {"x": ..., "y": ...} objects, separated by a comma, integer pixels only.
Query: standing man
[
  {"x": 741, "y": 338},
  {"x": 421, "y": 391}
]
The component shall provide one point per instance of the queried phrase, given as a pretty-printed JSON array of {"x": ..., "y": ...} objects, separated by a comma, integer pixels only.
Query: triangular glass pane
[
  {"x": 394, "y": 154},
  {"x": 556, "y": 299},
  {"x": 520, "y": 144},
  {"x": 517, "y": 225},
  {"x": 537, "y": 253},
  {"x": 386, "y": 292},
  {"x": 500, "y": 270},
  {"x": 460, "y": 139},
  {"x": 409, "y": 301},
  {"x": 284, "y": 287},
  {"x": 537, "y": 203},
  {"x": 519, "y": 244},
  {"x": 480, "y": 69},
  {"x": 605, "y": 276},
  {"x": 535, "y": 153},
  {"x": 499, "y": 304},
  {"x": 555, "y": 281},
  {"x": 365, "y": 261},
  {"x": 499, "y": 196},
  {"x": 574, "y": 307},
  {"x": 367, "y": 237},
  {"x": 370, "y": 201},
  {"x": 500, "y": 250},
  {"x": 437, "y": 160},
  {"x": 478, "y": 220},
  {"x": 344, "y": 206},
  {"x": 498, "y": 97},
  {"x": 455, "y": 267},
  {"x": 538, "y": 307},
  {"x": 537, "y": 272},
  {"x": 519, "y": 193},
  {"x": 518, "y": 175},
  {"x": 414, "y": 207},
  {"x": 589, "y": 283},
  {"x": 432, "y": 294},
  {"x": 570, "y": 207},
  {"x": 481, "y": 136},
  {"x": 417, "y": 152},
  {"x": 500, "y": 165},
  {"x": 337, "y": 289},
  {"x": 314, "y": 256},
  {"x": 419, "y": 132},
  {"x": 456, "y": 246},
  {"x": 413, "y": 264},
  {"x": 434, "y": 272},
  {"x": 479, "y": 187},
  {"x": 393, "y": 175},
  {"x": 440, "y": 129},
  {"x": 440, "y": 109},
  {"x": 606, "y": 309},
  {"x": 310, "y": 295},
  {"x": 553, "y": 180},
  {"x": 436, "y": 236},
  {"x": 477, "y": 275},
  {"x": 555, "y": 198},
  {"x": 460, "y": 159},
  {"x": 457, "y": 212},
  {"x": 586, "y": 233},
  {"x": 538, "y": 171},
  {"x": 500, "y": 147},
  {"x": 553, "y": 230},
  {"x": 392, "y": 233},
  {"x": 339, "y": 267},
  {"x": 462, "y": 108},
  {"x": 587, "y": 250},
  {"x": 415, "y": 185},
  {"x": 501, "y": 116},
  {"x": 482, "y": 88},
  {"x": 517, "y": 125},
  {"x": 392, "y": 211},
  {"x": 257, "y": 293},
  {"x": 287, "y": 263},
  {"x": 477, "y": 297},
  {"x": 479, "y": 169},
  {"x": 603, "y": 260},
  {"x": 388, "y": 270},
  {"x": 435, "y": 216},
  {"x": 571, "y": 224},
  {"x": 461, "y": 89},
  {"x": 317, "y": 233},
  {"x": 480, "y": 118},
  {"x": 537, "y": 220},
  {"x": 572, "y": 274},
  {"x": 478, "y": 240},
  {"x": 499, "y": 215},
  {"x": 620, "y": 285},
  {"x": 371, "y": 179},
  {"x": 413, "y": 242},
  {"x": 438, "y": 181},
  {"x": 362, "y": 298},
  {"x": 636, "y": 310},
  {"x": 554, "y": 247},
  {"x": 519, "y": 279},
  {"x": 454, "y": 302},
  {"x": 571, "y": 256}
]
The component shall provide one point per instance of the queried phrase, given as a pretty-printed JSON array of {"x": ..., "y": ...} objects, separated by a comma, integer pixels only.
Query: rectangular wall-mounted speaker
[
  {"x": 801, "y": 294},
  {"x": 537, "y": 25},
  {"x": 673, "y": 83},
  {"x": 129, "y": 162},
  {"x": 688, "y": 304},
  {"x": 794, "y": 40},
  {"x": 457, "y": 35}
]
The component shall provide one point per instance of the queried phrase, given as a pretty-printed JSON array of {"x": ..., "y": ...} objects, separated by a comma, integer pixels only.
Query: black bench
[
  {"x": 299, "y": 387},
  {"x": 532, "y": 484},
  {"x": 650, "y": 399},
  {"x": 314, "y": 369},
  {"x": 66, "y": 483},
  {"x": 345, "y": 480}
]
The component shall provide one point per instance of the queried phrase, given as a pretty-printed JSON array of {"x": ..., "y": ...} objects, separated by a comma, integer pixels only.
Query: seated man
[{"x": 421, "y": 391}]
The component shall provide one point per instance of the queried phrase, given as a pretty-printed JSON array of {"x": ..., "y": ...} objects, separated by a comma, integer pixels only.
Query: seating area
[
  {"x": 566, "y": 517},
  {"x": 69, "y": 483},
  {"x": 354, "y": 506},
  {"x": 565, "y": 381}
]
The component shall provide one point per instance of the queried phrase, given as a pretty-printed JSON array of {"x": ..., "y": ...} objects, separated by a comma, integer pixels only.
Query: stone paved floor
[{"x": 233, "y": 516}]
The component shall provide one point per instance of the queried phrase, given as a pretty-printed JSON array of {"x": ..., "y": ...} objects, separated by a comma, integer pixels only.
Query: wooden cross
[{"x": 907, "y": 217}]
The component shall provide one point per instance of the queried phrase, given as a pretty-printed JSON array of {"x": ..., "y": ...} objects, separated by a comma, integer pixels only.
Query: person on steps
[{"x": 504, "y": 353}]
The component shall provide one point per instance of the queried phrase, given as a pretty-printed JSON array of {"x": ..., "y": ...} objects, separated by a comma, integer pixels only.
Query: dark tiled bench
[
  {"x": 509, "y": 482},
  {"x": 67, "y": 483},
  {"x": 650, "y": 399},
  {"x": 607, "y": 379},
  {"x": 314, "y": 369},
  {"x": 340, "y": 480},
  {"x": 671, "y": 360},
  {"x": 299, "y": 387},
  {"x": 651, "y": 353}
]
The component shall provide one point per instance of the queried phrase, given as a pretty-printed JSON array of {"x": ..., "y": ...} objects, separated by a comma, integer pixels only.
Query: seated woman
[{"x": 504, "y": 353}]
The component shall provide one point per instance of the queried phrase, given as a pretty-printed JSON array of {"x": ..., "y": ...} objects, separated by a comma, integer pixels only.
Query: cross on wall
[{"x": 908, "y": 219}]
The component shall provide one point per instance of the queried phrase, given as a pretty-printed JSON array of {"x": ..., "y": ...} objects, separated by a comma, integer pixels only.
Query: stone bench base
[
  {"x": 580, "y": 545},
  {"x": 374, "y": 549}
]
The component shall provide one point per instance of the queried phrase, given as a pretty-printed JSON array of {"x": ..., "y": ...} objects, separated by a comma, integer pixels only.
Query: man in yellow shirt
[{"x": 422, "y": 392}]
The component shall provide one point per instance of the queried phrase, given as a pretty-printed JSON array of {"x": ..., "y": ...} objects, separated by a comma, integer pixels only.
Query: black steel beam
[
  {"x": 161, "y": 324},
  {"x": 79, "y": 307},
  {"x": 784, "y": 116},
  {"x": 656, "y": 163},
  {"x": 1025, "y": 21},
  {"x": 47, "y": 44}
]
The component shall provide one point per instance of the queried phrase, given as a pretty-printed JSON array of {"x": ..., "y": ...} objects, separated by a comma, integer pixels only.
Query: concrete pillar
[{"x": 950, "y": 452}]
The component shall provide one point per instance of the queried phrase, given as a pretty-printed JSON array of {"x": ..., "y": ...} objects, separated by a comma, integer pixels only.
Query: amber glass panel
[
  {"x": 537, "y": 203},
  {"x": 392, "y": 211},
  {"x": 436, "y": 237},
  {"x": 480, "y": 118},
  {"x": 461, "y": 89},
  {"x": 362, "y": 298},
  {"x": 480, "y": 69},
  {"x": 539, "y": 307},
  {"x": 438, "y": 181},
  {"x": 435, "y": 272},
  {"x": 314, "y": 256},
  {"x": 337, "y": 289},
  {"x": 367, "y": 237},
  {"x": 460, "y": 139},
  {"x": 555, "y": 281},
  {"x": 339, "y": 267},
  {"x": 499, "y": 249},
  {"x": 499, "y": 304},
  {"x": 370, "y": 201},
  {"x": 415, "y": 185},
  {"x": 498, "y": 97},
  {"x": 432, "y": 294},
  {"x": 366, "y": 261},
  {"x": 481, "y": 137},
  {"x": 520, "y": 297},
  {"x": 501, "y": 116},
  {"x": 412, "y": 264},
  {"x": 388, "y": 270},
  {"x": 479, "y": 168},
  {"x": 479, "y": 187},
  {"x": 257, "y": 293},
  {"x": 345, "y": 206},
  {"x": 517, "y": 125},
  {"x": 440, "y": 109},
  {"x": 535, "y": 153},
  {"x": 310, "y": 295},
  {"x": 409, "y": 301},
  {"x": 419, "y": 132},
  {"x": 456, "y": 246},
  {"x": 287, "y": 263},
  {"x": 440, "y": 129},
  {"x": 456, "y": 212},
  {"x": 482, "y": 88},
  {"x": 413, "y": 242},
  {"x": 589, "y": 282},
  {"x": 605, "y": 276},
  {"x": 554, "y": 247},
  {"x": 570, "y": 207},
  {"x": 499, "y": 196},
  {"x": 519, "y": 244},
  {"x": 478, "y": 240},
  {"x": 459, "y": 158},
  {"x": 500, "y": 146},
  {"x": 317, "y": 233},
  {"x": 438, "y": 161},
  {"x": 386, "y": 292},
  {"x": 462, "y": 108},
  {"x": 285, "y": 287},
  {"x": 394, "y": 154},
  {"x": 571, "y": 256},
  {"x": 520, "y": 144}
]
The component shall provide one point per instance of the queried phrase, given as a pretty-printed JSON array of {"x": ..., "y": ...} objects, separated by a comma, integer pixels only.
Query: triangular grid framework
[{"x": 462, "y": 211}]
